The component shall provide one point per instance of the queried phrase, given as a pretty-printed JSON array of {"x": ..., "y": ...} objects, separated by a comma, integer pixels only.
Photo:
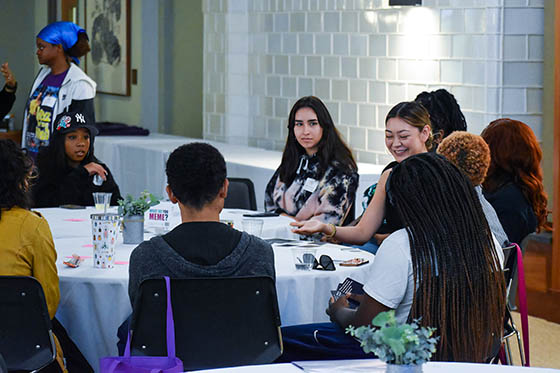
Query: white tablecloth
[
  {"x": 94, "y": 302},
  {"x": 138, "y": 163},
  {"x": 374, "y": 365}
]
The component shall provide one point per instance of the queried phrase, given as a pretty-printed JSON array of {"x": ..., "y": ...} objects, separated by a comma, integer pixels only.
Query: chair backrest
[
  {"x": 219, "y": 322},
  {"x": 349, "y": 218},
  {"x": 241, "y": 194},
  {"x": 26, "y": 339},
  {"x": 510, "y": 264}
]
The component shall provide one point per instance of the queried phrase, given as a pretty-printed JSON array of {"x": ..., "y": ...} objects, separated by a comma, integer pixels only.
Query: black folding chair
[
  {"x": 241, "y": 194},
  {"x": 3, "y": 367},
  {"x": 26, "y": 338},
  {"x": 219, "y": 322},
  {"x": 510, "y": 329}
]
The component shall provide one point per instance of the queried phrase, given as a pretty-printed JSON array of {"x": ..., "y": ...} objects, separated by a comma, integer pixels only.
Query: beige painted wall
[
  {"x": 181, "y": 49},
  {"x": 18, "y": 27},
  {"x": 548, "y": 100},
  {"x": 126, "y": 109},
  {"x": 181, "y": 40}
]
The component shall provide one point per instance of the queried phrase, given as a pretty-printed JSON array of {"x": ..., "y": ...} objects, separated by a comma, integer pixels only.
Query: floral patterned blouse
[{"x": 312, "y": 196}]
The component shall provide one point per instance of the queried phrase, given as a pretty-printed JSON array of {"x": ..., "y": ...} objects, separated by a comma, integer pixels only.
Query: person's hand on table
[
  {"x": 11, "y": 82},
  {"x": 330, "y": 240},
  {"x": 96, "y": 168},
  {"x": 308, "y": 227}
]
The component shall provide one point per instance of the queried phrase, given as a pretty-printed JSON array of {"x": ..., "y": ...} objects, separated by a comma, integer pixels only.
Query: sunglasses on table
[{"x": 325, "y": 262}]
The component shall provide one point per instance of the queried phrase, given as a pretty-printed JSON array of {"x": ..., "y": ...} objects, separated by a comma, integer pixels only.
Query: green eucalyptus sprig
[
  {"x": 393, "y": 343},
  {"x": 130, "y": 206}
]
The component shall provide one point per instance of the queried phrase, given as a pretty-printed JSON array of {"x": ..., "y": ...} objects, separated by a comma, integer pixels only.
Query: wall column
[
  {"x": 149, "y": 75},
  {"x": 555, "y": 283}
]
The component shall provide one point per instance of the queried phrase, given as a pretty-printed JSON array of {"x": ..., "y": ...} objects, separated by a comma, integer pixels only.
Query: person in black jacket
[
  {"x": 68, "y": 171},
  {"x": 8, "y": 93},
  {"x": 514, "y": 183}
]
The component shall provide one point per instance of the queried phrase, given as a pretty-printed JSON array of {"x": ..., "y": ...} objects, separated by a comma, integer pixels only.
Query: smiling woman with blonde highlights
[
  {"x": 407, "y": 132},
  {"x": 318, "y": 177}
]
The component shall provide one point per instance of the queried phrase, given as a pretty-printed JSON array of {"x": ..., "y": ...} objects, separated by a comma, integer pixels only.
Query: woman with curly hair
[
  {"x": 471, "y": 154},
  {"x": 514, "y": 183},
  {"x": 26, "y": 247}
]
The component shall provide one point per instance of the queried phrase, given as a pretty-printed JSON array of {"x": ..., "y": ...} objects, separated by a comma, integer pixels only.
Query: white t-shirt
[{"x": 391, "y": 280}]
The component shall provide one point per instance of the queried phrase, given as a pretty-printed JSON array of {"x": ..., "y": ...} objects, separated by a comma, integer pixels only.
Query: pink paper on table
[
  {"x": 121, "y": 262},
  {"x": 87, "y": 245},
  {"x": 81, "y": 257},
  {"x": 74, "y": 219}
]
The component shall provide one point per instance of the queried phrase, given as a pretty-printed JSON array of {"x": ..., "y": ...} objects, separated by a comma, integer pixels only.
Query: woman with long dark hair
[
  {"x": 318, "y": 176},
  {"x": 60, "y": 84},
  {"x": 444, "y": 267},
  {"x": 69, "y": 172},
  {"x": 407, "y": 132},
  {"x": 514, "y": 183}
]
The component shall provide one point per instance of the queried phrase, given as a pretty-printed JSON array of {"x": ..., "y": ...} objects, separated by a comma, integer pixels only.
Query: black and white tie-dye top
[{"x": 325, "y": 198}]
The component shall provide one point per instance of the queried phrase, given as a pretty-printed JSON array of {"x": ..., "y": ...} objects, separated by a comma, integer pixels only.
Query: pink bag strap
[
  {"x": 522, "y": 293},
  {"x": 170, "y": 326}
]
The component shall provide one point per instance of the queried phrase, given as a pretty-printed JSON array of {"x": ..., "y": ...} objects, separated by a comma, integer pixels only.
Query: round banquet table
[
  {"x": 94, "y": 302},
  {"x": 375, "y": 366}
]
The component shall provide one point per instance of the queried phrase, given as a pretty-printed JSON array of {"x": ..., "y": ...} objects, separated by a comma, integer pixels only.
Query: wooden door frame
[{"x": 555, "y": 280}]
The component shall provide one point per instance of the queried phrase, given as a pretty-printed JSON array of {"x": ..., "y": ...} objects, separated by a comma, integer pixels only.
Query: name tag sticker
[
  {"x": 48, "y": 101},
  {"x": 310, "y": 185}
]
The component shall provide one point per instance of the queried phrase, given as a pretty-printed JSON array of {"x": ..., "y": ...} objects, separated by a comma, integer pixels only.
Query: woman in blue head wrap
[{"x": 60, "y": 85}]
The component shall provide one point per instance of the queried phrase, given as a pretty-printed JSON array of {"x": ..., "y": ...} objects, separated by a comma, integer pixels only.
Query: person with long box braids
[{"x": 444, "y": 268}]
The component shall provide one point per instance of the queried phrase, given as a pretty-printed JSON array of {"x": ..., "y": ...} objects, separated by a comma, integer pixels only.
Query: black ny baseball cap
[{"x": 71, "y": 121}]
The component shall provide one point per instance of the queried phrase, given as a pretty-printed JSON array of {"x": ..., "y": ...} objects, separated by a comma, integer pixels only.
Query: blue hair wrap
[{"x": 65, "y": 33}]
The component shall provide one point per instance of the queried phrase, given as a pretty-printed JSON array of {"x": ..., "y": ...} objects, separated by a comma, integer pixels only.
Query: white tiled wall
[{"x": 362, "y": 57}]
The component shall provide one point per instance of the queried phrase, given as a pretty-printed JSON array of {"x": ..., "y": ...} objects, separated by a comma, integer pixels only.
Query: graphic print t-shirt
[{"x": 40, "y": 108}]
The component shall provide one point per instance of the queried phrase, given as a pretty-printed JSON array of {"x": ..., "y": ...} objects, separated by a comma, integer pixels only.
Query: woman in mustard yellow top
[
  {"x": 26, "y": 243},
  {"x": 26, "y": 247}
]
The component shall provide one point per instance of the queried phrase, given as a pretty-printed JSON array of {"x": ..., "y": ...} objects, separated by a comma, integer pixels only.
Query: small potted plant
[
  {"x": 133, "y": 211},
  {"x": 404, "y": 347}
]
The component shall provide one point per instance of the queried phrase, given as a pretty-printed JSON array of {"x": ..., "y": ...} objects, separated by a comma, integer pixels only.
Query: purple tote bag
[{"x": 147, "y": 364}]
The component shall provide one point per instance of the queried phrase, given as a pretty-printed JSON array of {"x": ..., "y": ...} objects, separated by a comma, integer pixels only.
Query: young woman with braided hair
[
  {"x": 467, "y": 309},
  {"x": 445, "y": 113},
  {"x": 443, "y": 267}
]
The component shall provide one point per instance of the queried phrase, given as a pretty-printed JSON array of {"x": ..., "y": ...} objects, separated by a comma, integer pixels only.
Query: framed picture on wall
[{"x": 108, "y": 62}]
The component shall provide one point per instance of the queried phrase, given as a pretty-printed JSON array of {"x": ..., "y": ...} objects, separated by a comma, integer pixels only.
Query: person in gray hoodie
[{"x": 201, "y": 246}]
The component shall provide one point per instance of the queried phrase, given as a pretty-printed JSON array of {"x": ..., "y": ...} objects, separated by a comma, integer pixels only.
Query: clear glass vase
[{"x": 393, "y": 368}]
